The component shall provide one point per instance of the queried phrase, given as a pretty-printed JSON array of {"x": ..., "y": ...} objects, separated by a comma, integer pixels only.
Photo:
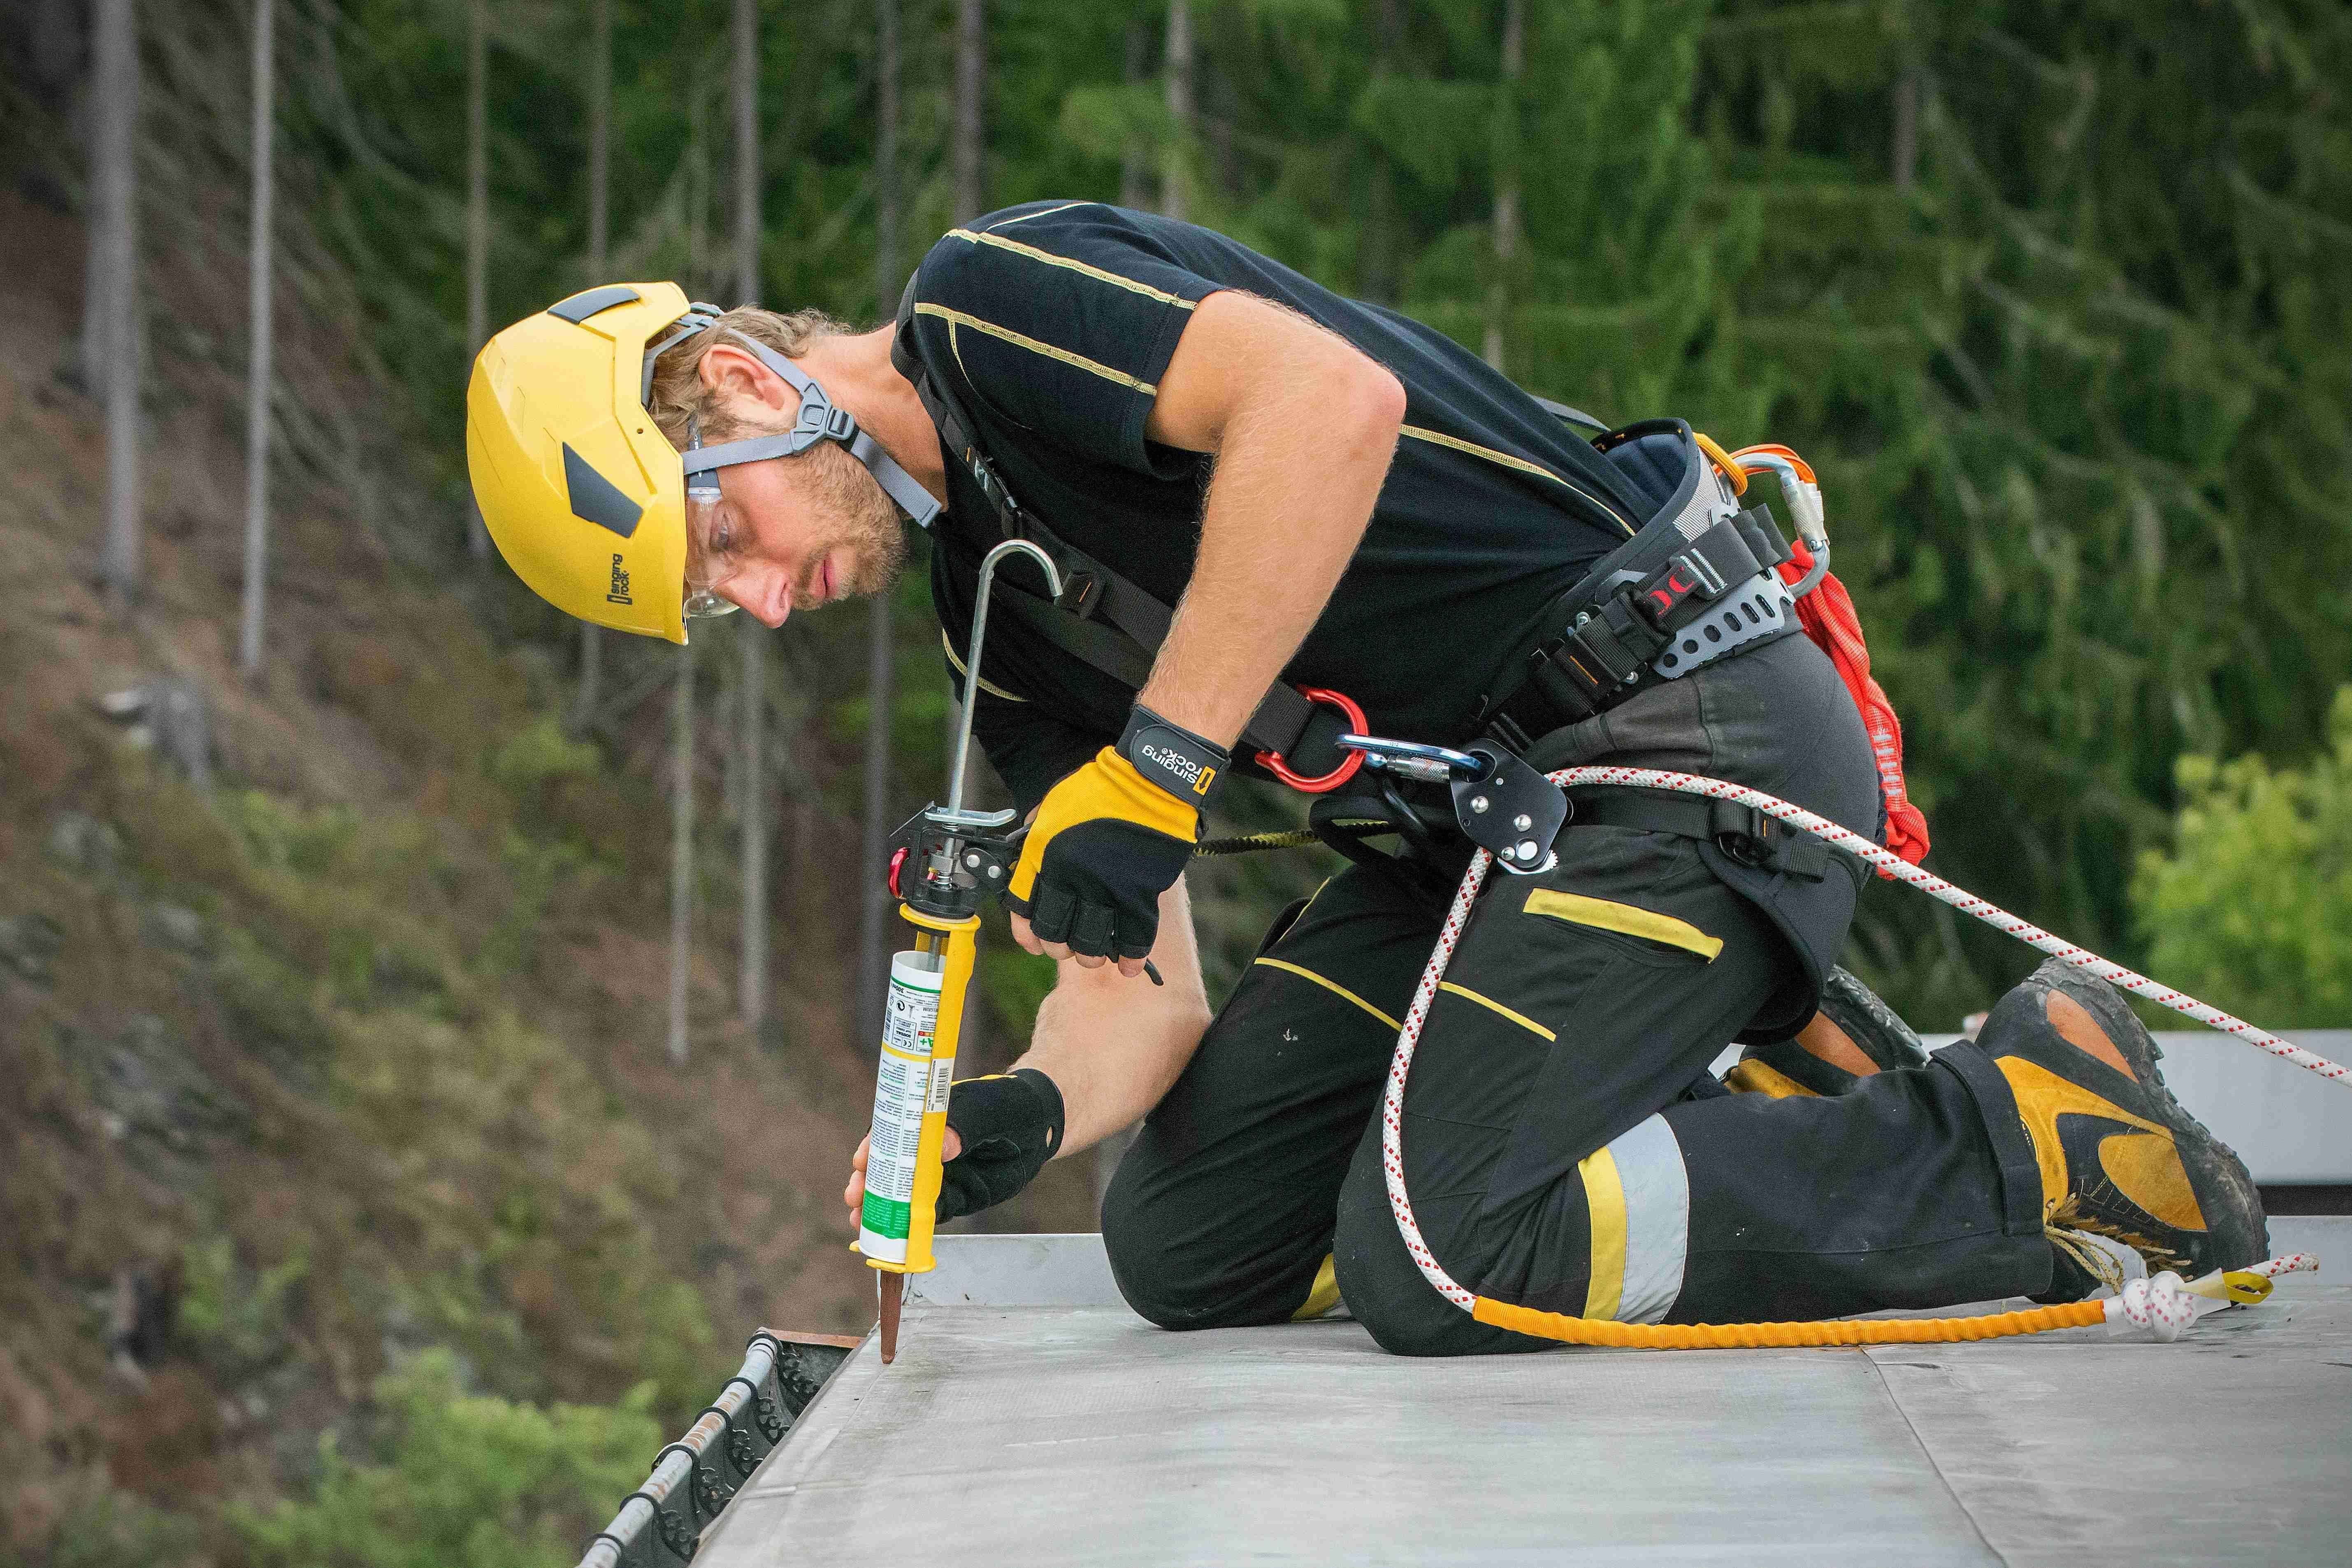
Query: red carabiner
[{"x": 1272, "y": 761}]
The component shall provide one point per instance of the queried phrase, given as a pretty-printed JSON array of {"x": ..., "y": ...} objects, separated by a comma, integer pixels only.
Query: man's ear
[{"x": 740, "y": 379}]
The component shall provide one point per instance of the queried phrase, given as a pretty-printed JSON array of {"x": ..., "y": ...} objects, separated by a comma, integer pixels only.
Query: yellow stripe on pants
[
  {"x": 1605, "y": 1198},
  {"x": 1637, "y": 1198}
]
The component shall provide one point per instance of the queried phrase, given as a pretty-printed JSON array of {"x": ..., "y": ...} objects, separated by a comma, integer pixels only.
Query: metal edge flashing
[{"x": 756, "y": 1410}]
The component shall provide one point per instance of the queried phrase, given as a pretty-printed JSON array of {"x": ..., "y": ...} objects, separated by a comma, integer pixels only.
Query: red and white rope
[{"x": 1458, "y": 918}]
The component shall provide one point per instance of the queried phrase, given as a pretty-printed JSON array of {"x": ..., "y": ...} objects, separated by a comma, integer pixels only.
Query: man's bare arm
[
  {"x": 1303, "y": 425},
  {"x": 1111, "y": 1047}
]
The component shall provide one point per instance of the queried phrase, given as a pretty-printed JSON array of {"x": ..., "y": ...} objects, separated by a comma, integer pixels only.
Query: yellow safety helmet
[{"x": 585, "y": 496}]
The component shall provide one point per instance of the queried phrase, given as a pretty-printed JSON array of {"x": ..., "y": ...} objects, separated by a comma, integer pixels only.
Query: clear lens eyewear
[{"x": 711, "y": 555}]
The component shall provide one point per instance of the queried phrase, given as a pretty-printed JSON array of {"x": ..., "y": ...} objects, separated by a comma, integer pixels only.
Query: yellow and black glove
[
  {"x": 1113, "y": 835},
  {"x": 1011, "y": 1124}
]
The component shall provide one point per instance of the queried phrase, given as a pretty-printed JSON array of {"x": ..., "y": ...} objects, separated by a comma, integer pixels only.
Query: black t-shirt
[{"x": 1054, "y": 322}]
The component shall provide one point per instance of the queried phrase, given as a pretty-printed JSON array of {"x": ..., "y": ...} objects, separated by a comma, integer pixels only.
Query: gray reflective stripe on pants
[{"x": 1639, "y": 1199}]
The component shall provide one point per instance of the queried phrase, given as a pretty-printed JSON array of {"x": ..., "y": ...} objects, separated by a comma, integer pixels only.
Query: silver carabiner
[
  {"x": 1414, "y": 760},
  {"x": 1805, "y": 509}
]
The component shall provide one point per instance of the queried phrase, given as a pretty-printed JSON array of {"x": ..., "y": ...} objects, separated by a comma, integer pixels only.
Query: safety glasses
[{"x": 713, "y": 549}]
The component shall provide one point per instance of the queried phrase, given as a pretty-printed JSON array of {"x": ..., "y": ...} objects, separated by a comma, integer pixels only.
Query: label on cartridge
[{"x": 902, "y": 1092}]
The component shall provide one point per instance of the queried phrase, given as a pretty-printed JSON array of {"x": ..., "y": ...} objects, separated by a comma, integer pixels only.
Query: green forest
[
  {"x": 2047, "y": 294},
  {"x": 2055, "y": 297}
]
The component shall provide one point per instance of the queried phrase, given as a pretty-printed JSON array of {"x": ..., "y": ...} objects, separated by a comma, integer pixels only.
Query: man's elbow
[{"x": 1371, "y": 410}]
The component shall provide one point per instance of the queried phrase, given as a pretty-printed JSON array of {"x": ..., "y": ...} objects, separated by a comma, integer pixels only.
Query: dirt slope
[{"x": 360, "y": 1050}]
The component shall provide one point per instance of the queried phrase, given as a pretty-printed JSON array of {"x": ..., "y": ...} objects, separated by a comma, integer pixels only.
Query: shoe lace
[{"x": 2067, "y": 1215}]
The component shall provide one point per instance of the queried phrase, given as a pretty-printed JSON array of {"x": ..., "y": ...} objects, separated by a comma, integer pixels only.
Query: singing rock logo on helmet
[{"x": 618, "y": 593}]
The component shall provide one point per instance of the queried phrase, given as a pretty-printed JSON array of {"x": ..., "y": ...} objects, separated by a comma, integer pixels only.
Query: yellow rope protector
[{"x": 1753, "y": 1336}]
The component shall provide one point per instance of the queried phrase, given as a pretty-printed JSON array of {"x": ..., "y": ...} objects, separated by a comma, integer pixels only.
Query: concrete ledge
[
  {"x": 1017, "y": 1271},
  {"x": 1084, "y": 1438}
]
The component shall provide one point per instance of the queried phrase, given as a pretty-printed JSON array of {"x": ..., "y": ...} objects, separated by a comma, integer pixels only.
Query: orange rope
[
  {"x": 1774, "y": 448},
  {"x": 1731, "y": 470},
  {"x": 1751, "y": 1336}
]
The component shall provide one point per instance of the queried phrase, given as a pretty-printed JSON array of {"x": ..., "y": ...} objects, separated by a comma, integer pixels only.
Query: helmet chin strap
[{"x": 820, "y": 419}]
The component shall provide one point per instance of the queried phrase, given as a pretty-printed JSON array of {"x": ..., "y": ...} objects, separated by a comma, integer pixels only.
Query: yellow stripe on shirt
[
  {"x": 985, "y": 684},
  {"x": 1440, "y": 439},
  {"x": 962, "y": 319},
  {"x": 989, "y": 238}
]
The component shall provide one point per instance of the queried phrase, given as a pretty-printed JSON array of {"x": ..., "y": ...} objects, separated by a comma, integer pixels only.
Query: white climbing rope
[{"x": 2160, "y": 1308}]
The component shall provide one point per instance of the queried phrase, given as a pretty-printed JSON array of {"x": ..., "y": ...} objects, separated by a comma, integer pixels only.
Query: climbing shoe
[
  {"x": 2119, "y": 1157},
  {"x": 1854, "y": 1035}
]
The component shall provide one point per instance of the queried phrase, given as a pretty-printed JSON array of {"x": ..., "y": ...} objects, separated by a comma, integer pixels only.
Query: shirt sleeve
[{"x": 1063, "y": 320}]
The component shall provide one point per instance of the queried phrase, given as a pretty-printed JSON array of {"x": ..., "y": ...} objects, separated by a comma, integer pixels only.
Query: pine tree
[{"x": 257, "y": 370}]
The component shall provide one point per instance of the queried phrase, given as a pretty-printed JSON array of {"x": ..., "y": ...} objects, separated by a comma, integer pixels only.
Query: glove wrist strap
[
  {"x": 1049, "y": 1094},
  {"x": 1172, "y": 757}
]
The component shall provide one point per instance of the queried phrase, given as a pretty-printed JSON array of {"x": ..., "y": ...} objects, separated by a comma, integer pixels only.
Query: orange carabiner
[{"x": 1273, "y": 762}]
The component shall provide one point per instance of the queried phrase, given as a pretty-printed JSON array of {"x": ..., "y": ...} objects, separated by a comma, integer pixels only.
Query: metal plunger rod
[{"x": 971, "y": 652}]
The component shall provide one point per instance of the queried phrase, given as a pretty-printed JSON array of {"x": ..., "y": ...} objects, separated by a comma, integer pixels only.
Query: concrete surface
[{"x": 1044, "y": 1436}]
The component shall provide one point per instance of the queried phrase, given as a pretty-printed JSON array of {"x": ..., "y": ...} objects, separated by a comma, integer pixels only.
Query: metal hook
[
  {"x": 971, "y": 654},
  {"x": 1805, "y": 508}
]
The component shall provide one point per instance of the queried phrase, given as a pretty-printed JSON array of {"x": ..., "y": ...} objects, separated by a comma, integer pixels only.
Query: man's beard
[{"x": 865, "y": 519}]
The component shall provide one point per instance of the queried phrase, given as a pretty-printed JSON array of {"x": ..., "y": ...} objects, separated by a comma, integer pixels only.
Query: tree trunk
[
  {"x": 971, "y": 106},
  {"x": 697, "y": 194},
  {"x": 1378, "y": 272},
  {"x": 886, "y": 156},
  {"x": 117, "y": 368},
  {"x": 751, "y": 999},
  {"x": 873, "y": 911},
  {"x": 1131, "y": 190},
  {"x": 478, "y": 221},
  {"x": 257, "y": 405},
  {"x": 1905, "y": 152},
  {"x": 681, "y": 849},
  {"x": 600, "y": 215},
  {"x": 1506, "y": 181},
  {"x": 1176, "y": 156},
  {"x": 600, "y": 136}
]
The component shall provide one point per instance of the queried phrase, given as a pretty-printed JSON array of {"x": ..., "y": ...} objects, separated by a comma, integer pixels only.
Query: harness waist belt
[
  {"x": 1743, "y": 833},
  {"x": 1636, "y": 619}
]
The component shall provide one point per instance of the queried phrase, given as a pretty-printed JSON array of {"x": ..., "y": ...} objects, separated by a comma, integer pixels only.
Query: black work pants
[{"x": 1564, "y": 1147}]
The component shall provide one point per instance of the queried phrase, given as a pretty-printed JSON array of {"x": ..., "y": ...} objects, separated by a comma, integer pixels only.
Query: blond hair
[{"x": 679, "y": 395}]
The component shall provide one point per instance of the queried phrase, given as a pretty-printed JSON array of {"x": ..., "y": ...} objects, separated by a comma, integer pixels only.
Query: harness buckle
[
  {"x": 1711, "y": 582},
  {"x": 1762, "y": 842}
]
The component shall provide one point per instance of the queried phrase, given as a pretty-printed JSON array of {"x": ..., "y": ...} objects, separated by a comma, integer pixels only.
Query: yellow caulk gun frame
[{"x": 945, "y": 860}]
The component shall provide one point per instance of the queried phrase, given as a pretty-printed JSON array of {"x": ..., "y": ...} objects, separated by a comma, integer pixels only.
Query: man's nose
[{"x": 764, "y": 592}]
